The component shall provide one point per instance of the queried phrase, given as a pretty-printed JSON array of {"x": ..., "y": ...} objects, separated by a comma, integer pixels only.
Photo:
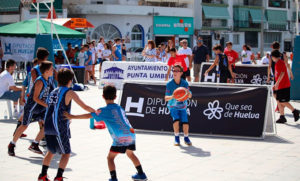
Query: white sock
[
  {"x": 21, "y": 107},
  {"x": 186, "y": 135},
  {"x": 36, "y": 142},
  {"x": 12, "y": 142},
  {"x": 176, "y": 134}
]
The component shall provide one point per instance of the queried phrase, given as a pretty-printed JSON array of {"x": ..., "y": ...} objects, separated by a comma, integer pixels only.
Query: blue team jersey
[
  {"x": 55, "y": 123},
  {"x": 171, "y": 86},
  {"x": 38, "y": 73},
  {"x": 117, "y": 124},
  {"x": 118, "y": 52},
  {"x": 33, "y": 107},
  {"x": 88, "y": 54}
]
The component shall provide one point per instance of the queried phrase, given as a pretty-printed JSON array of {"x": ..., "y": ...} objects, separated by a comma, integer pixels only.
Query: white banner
[
  {"x": 17, "y": 48},
  {"x": 116, "y": 72}
]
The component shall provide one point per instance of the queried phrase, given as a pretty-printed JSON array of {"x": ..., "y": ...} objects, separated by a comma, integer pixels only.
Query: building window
[
  {"x": 252, "y": 2},
  {"x": 108, "y": 31},
  {"x": 236, "y": 39},
  {"x": 277, "y": 3},
  {"x": 251, "y": 38},
  {"x": 270, "y": 37},
  {"x": 137, "y": 36}
]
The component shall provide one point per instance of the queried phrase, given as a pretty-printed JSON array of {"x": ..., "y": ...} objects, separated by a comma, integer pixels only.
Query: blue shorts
[
  {"x": 58, "y": 144},
  {"x": 11, "y": 95},
  {"x": 30, "y": 116},
  {"x": 179, "y": 115}
]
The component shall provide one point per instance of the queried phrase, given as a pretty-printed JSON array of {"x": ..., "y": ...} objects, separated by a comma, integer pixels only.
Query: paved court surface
[{"x": 209, "y": 159}]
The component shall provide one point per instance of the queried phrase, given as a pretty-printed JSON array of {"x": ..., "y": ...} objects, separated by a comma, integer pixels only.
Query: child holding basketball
[
  {"x": 119, "y": 128},
  {"x": 57, "y": 131},
  {"x": 178, "y": 107}
]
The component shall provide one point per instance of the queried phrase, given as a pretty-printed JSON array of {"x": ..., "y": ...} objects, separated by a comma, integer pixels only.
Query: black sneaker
[
  {"x": 34, "y": 147},
  {"x": 11, "y": 149},
  {"x": 281, "y": 120},
  {"x": 296, "y": 114}
]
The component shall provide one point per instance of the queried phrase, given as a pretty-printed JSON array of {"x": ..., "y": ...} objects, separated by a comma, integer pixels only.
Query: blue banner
[{"x": 295, "y": 87}]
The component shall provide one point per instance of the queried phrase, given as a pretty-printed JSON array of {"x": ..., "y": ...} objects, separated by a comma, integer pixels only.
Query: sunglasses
[{"x": 176, "y": 71}]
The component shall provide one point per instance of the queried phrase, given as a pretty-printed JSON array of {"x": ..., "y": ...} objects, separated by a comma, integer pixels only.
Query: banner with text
[
  {"x": 213, "y": 110},
  {"x": 17, "y": 48},
  {"x": 245, "y": 74},
  {"x": 116, "y": 72},
  {"x": 22, "y": 49}
]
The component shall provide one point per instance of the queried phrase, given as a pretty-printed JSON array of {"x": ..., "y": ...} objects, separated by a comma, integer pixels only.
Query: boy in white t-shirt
[
  {"x": 185, "y": 50},
  {"x": 81, "y": 56}
]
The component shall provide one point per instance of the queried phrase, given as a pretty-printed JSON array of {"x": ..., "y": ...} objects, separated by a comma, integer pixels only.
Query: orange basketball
[{"x": 181, "y": 94}]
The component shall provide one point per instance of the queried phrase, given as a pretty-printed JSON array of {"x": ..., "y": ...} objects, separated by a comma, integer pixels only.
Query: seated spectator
[
  {"x": 8, "y": 89},
  {"x": 59, "y": 57}
]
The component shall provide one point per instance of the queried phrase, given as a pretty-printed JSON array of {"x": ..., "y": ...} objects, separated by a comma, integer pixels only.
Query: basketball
[{"x": 181, "y": 94}]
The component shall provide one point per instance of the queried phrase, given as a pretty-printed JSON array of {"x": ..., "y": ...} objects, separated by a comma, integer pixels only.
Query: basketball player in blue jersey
[
  {"x": 35, "y": 107},
  {"x": 117, "y": 50},
  {"x": 57, "y": 131},
  {"x": 120, "y": 130},
  {"x": 42, "y": 54},
  {"x": 177, "y": 109}
]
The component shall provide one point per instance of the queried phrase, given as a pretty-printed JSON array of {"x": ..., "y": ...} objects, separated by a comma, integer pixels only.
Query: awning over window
[
  {"x": 256, "y": 15},
  {"x": 9, "y": 6},
  {"x": 214, "y": 12},
  {"x": 277, "y": 17}
]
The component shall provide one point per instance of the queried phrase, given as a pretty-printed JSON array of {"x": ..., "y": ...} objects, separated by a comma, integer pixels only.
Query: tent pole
[
  {"x": 64, "y": 53},
  {"x": 51, "y": 19},
  {"x": 38, "y": 18}
]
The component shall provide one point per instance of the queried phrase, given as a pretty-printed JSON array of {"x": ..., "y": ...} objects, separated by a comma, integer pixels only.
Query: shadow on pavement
[
  {"x": 9, "y": 121},
  {"x": 39, "y": 161},
  {"x": 194, "y": 151},
  {"x": 268, "y": 138},
  {"x": 294, "y": 125},
  {"x": 276, "y": 139}
]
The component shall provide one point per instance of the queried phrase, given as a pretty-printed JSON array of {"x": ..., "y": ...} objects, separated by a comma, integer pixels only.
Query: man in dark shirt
[{"x": 200, "y": 54}]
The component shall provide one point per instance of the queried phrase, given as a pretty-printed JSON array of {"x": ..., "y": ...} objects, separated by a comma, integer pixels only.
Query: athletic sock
[
  {"x": 186, "y": 135},
  {"x": 35, "y": 142},
  {"x": 44, "y": 170},
  {"x": 60, "y": 172},
  {"x": 18, "y": 125},
  {"x": 176, "y": 134},
  {"x": 113, "y": 174},
  {"x": 12, "y": 142},
  {"x": 139, "y": 169}
]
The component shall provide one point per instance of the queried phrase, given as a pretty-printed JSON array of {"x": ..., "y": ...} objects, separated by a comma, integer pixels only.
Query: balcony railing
[
  {"x": 277, "y": 27},
  {"x": 215, "y": 1},
  {"x": 214, "y": 24},
  {"x": 164, "y": 3},
  {"x": 238, "y": 25},
  {"x": 249, "y": 3}
]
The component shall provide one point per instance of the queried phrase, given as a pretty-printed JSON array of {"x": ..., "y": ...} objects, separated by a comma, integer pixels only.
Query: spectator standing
[
  {"x": 200, "y": 54},
  {"x": 124, "y": 52},
  {"x": 70, "y": 53},
  {"x": 149, "y": 52},
  {"x": 265, "y": 59},
  {"x": 117, "y": 50},
  {"x": 247, "y": 55},
  {"x": 59, "y": 58},
  {"x": 233, "y": 57},
  {"x": 82, "y": 56},
  {"x": 88, "y": 64},
  {"x": 185, "y": 50}
]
